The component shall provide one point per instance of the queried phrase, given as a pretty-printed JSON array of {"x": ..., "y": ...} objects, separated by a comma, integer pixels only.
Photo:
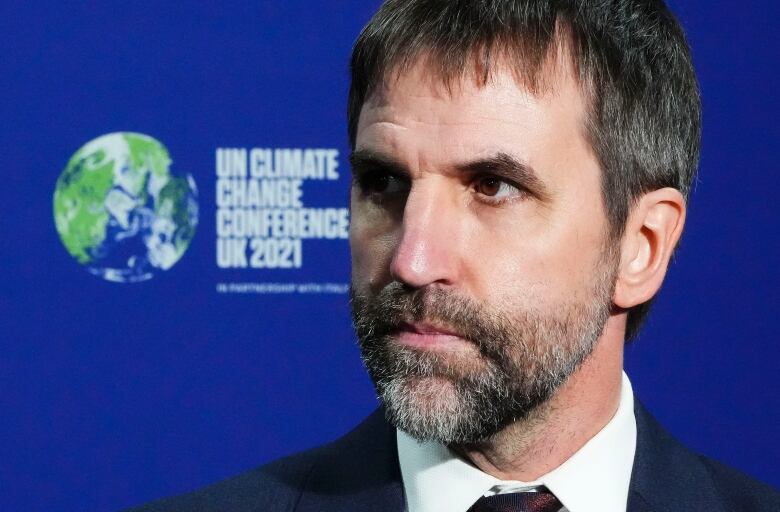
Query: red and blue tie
[{"x": 543, "y": 501}]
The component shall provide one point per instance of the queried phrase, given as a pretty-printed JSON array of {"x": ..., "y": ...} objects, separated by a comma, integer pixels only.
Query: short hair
[{"x": 633, "y": 64}]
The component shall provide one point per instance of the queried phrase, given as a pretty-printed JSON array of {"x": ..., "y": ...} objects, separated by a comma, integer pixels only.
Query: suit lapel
[
  {"x": 636, "y": 503},
  {"x": 667, "y": 476},
  {"x": 359, "y": 472}
]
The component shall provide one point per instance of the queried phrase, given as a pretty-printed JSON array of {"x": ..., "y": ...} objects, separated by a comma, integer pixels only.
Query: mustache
[{"x": 383, "y": 314}]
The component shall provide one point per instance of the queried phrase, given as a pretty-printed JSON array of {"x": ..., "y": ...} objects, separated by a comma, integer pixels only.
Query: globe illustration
[{"x": 121, "y": 212}]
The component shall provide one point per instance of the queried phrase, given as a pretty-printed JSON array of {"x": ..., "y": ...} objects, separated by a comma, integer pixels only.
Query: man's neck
[{"x": 527, "y": 449}]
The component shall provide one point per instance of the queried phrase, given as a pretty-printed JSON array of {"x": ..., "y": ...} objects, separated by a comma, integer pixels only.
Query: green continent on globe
[
  {"x": 120, "y": 211},
  {"x": 78, "y": 202}
]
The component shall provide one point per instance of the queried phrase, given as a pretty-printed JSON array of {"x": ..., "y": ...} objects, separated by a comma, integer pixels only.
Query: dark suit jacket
[{"x": 359, "y": 472}]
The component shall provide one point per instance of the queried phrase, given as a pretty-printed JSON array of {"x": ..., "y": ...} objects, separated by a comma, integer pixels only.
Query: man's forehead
[
  {"x": 539, "y": 76},
  {"x": 501, "y": 102}
]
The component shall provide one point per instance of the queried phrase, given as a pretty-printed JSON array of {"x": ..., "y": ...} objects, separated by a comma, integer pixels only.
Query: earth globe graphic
[{"x": 121, "y": 212}]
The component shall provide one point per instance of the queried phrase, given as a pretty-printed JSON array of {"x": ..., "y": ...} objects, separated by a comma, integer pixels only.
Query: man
[{"x": 520, "y": 179}]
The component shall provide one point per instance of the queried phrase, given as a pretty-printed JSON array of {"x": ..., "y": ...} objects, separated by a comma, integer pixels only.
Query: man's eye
[
  {"x": 382, "y": 183},
  {"x": 496, "y": 188}
]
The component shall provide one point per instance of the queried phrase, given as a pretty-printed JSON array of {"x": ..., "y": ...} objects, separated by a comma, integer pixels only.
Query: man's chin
[
  {"x": 426, "y": 408},
  {"x": 431, "y": 393},
  {"x": 435, "y": 408}
]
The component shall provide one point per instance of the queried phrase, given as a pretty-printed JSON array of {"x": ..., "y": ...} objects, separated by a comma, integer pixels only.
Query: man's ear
[{"x": 652, "y": 230}]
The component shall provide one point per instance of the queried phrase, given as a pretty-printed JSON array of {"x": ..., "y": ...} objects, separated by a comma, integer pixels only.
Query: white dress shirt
[{"x": 594, "y": 479}]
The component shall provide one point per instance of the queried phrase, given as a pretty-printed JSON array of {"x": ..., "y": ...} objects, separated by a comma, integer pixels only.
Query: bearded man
[{"x": 520, "y": 174}]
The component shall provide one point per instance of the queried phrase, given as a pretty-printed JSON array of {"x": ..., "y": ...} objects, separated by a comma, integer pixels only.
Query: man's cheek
[
  {"x": 372, "y": 253},
  {"x": 367, "y": 270}
]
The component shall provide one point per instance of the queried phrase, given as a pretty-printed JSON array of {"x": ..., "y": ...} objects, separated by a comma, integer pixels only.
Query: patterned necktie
[{"x": 543, "y": 501}]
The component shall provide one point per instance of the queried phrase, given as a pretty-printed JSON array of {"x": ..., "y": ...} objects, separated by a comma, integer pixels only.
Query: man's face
[{"x": 481, "y": 275}]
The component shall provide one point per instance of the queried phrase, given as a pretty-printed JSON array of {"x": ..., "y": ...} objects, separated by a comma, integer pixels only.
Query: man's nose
[{"x": 427, "y": 248}]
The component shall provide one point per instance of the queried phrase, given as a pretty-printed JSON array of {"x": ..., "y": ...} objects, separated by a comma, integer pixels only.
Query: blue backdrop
[{"x": 114, "y": 394}]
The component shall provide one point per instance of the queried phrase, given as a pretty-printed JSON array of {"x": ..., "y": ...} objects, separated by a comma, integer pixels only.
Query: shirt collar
[{"x": 595, "y": 478}]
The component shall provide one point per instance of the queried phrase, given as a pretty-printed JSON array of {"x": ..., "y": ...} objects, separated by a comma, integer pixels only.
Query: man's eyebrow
[
  {"x": 506, "y": 166},
  {"x": 500, "y": 164},
  {"x": 361, "y": 159}
]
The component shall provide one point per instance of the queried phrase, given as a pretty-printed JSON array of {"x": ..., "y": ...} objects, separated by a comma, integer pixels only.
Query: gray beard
[{"x": 523, "y": 358}]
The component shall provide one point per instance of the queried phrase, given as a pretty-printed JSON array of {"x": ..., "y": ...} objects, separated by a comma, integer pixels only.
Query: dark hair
[{"x": 632, "y": 60}]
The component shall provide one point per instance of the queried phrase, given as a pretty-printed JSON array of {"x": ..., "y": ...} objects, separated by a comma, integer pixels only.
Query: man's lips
[{"x": 425, "y": 335}]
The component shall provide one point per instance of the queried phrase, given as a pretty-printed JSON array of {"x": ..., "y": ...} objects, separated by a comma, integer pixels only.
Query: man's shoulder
[
  {"x": 319, "y": 478},
  {"x": 738, "y": 490},
  {"x": 669, "y": 476},
  {"x": 274, "y": 486}
]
